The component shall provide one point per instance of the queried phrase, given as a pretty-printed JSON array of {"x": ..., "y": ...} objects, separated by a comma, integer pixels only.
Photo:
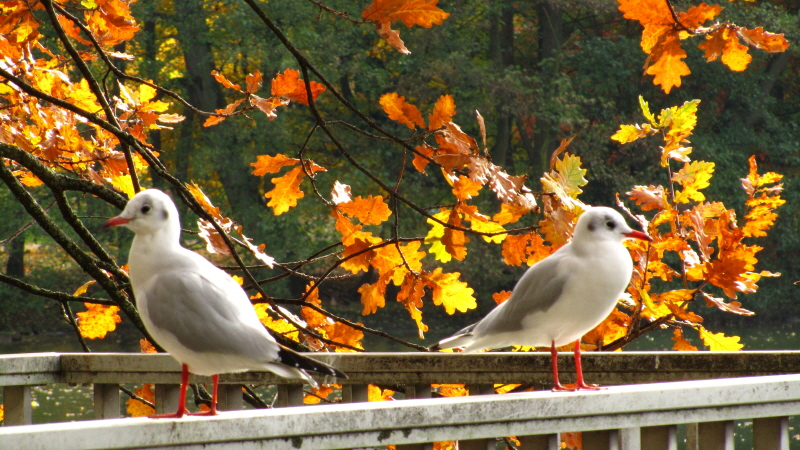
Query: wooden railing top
[
  {"x": 413, "y": 421},
  {"x": 413, "y": 368}
]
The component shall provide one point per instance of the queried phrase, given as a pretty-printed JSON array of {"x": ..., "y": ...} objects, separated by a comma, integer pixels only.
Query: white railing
[{"x": 628, "y": 417}]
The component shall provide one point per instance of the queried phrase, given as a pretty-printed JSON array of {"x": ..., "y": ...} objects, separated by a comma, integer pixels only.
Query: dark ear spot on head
[
  {"x": 592, "y": 226},
  {"x": 166, "y": 214}
]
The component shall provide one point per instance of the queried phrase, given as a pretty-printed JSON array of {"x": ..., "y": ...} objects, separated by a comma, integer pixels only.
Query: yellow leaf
[
  {"x": 718, "y": 341},
  {"x": 693, "y": 176},
  {"x": 286, "y": 192},
  {"x": 376, "y": 394},
  {"x": 489, "y": 227},
  {"x": 82, "y": 290},
  {"x": 124, "y": 184},
  {"x": 449, "y": 292},
  {"x": 434, "y": 237},
  {"x": 98, "y": 320}
]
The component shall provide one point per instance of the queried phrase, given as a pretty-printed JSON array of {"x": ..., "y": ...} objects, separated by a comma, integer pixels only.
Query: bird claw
[
  {"x": 208, "y": 412},
  {"x": 562, "y": 388},
  {"x": 589, "y": 387}
]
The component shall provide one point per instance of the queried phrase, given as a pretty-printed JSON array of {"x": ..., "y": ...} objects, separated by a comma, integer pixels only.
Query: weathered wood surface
[{"x": 621, "y": 409}]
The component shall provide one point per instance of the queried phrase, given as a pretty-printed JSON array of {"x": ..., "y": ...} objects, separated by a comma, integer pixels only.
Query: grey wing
[
  {"x": 537, "y": 290},
  {"x": 207, "y": 316}
]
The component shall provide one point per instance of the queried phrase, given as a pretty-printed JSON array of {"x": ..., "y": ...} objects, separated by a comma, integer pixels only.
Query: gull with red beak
[
  {"x": 194, "y": 310},
  {"x": 562, "y": 297}
]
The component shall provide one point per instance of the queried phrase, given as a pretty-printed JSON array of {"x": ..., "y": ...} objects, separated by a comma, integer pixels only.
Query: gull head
[
  {"x": 148, "y": 212},
  {"x": 605, "y": 224}
]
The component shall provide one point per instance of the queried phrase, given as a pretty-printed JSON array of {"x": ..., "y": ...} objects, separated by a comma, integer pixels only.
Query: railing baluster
[
  {"x": 478, "y": 444},
  {"x": 659, "y": 438},
  {"x": 354, "y": 393},
  {"x": 230, "y": 397},
  {"x": 167, "y": 396},
  {"x": 540, "y": 442},
  {"x": 106, "y": 401},
  {"x": 417, "y": 391},
  {"x": 771, "y": 433},
  {"x": 710, "y": 436},
  {"x": 290, "y": 395},
  {"x": 602, "y": 440},
  {"x": 17, "y": 401}
]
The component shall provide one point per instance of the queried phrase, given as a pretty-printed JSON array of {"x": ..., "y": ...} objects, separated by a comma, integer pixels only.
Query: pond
[{"x": 60, "y": 402}]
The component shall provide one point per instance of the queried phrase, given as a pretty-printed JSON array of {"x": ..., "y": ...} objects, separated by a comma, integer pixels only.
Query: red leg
[
  {"x": 554, "y": 358},
  {"x": 580, "y": 384},
  {"x": 181, "y": 398},
  {"x": 214, "y": 390}
]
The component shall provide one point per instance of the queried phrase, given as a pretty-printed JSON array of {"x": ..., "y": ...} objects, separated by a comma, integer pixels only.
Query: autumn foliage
[{"x": 64, "y": 129}]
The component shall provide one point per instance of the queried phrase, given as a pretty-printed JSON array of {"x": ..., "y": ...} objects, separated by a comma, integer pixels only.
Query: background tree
[{"x": 322, "y": 163}]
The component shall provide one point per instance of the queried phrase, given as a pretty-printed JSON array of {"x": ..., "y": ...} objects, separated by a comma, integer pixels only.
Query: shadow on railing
[{"x": 624, "y": 417}]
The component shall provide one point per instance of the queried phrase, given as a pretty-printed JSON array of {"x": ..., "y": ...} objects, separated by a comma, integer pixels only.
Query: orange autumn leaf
[
  {"x": 286, "y": 192},
  {"x": 424, "y": 13},
  {"x": 373, "y": 295},
  {"x": 455, "y": 241},
  {"x": 271, "y": 164},
  {"x": 98, "y": 320},
  {"x": 443, "y": 112},
  {"x": 410, "y": 295},
  {"x": 764, "y": 40},
  {"x": 697, "y": 15},
  {"x": 653, "y": 15},
  {"x": 370, "y": 210},
  {"x": 668, "y": 67},
  {"x": 253, "y": 81},
  {"x": 649, "y": 197},
  {"x": 681, "y": 344},
  {"x": 213, "y": 120},
  {"x": 137, "y": 408},
  {"x": 224, "y": 81},
  {"x": 289, "y": 85},
  {"x": 450, "y": 390},
  {"x": 398, "y": 110},
  {"x": 351, "y": 232},
  {"x": 510, "y": 213},
  {"x": 735, "y": 55},
  {"x": 356, "y": 258},
  {"x": 419, "y": 162},
  {"x": 392, "y": 37},
  {"x": 146, "y": 346},
  {"x": 465, "y": 189},
  {"x": 502, "y": 296},
  {"x": 318, "y": 393}
]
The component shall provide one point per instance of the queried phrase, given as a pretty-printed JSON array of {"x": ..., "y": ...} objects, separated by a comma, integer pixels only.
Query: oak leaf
[
  {"x": 693, "y": 176},
  {"x": 370, "y": 210},
  {"x": 392, "y": 37},
  {"x": 449, "y": 292},
  {"x": 681, "y": 344},
  {"x": 502, "y": 296},
  {"x": 253, "y": 82},
  {"x": 718, "y": 341},
  {"x": 137, "y": 408},
  {"x": 649, "y": 197},
  {"x": 424, "y": 13},
  {"x": 397, "y": 109},
  {"x": 419, "y": 162},
  {"x": 668, "y": 67},
  {"x": 443, "y": 112},
  {"x": 224, "y": 81},
  {"x": 757, "y": 37},
  {"x": 271, "y": 164},
  {"x": 98, "y": 320},
  {"x": 286, "y": 192},
  {"x": 289, "y": 85}
]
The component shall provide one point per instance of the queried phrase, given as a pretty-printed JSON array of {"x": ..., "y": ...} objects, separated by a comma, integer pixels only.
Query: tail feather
[
  {"x": 462, "y": 338},
  {"x": 303, "y": 363}
]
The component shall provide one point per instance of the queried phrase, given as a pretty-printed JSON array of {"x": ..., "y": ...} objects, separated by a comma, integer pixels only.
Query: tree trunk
[
  {"x": 501, "y": 52},
  {"x": 550, "y": 40},
  {"x": 225, "y": 140},
  {"x": 15, "y": 266}
]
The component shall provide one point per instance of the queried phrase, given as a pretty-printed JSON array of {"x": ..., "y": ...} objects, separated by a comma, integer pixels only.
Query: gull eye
[
  {"x": 145, "y": 209},
  {"x": 610, "y": 224}
]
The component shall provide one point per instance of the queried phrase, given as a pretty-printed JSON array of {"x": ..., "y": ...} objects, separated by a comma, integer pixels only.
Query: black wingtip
[
  {"x": 293, "y": 359},
  {"x": 434, "y": 348}
]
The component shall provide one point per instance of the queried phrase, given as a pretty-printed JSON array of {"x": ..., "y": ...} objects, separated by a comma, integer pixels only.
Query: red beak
[
  {"x": 636, "y": 235},
  {"x": 114, "y": 221}
]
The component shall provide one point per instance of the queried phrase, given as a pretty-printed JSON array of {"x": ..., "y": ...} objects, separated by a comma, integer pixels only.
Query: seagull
[
  {"x": 562, "y": 297},
  {"x": 194, "y": 310}
]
